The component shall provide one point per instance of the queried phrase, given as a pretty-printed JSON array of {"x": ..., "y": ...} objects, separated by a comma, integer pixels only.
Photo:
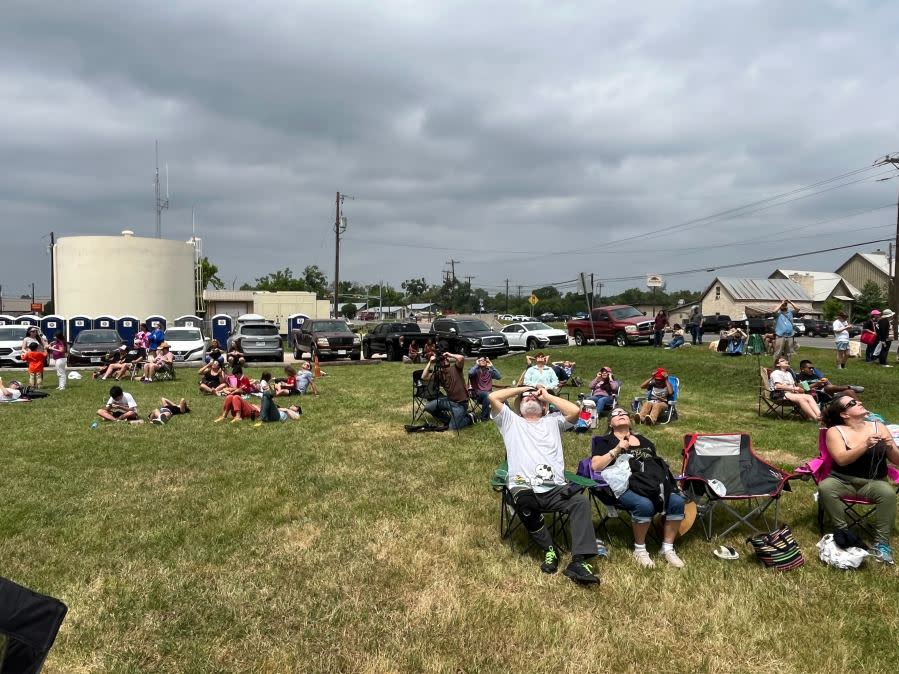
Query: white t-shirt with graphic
[{"x": 533, "y": 450}]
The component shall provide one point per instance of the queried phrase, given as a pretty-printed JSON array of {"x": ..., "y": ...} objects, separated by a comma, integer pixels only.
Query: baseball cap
[
  {"x": 659, "y": 374},
  {"x": 605, "y": 368},
  {"x": 875, "y": 312}
]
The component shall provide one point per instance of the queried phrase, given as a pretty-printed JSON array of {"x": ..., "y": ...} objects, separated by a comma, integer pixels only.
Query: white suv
[
  {"x": 186, "y": 344},
  {"x": 11, "y": 337}
]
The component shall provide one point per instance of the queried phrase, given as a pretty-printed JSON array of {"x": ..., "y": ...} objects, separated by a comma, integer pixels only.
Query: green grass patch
[{"x": 339, "y": 543}]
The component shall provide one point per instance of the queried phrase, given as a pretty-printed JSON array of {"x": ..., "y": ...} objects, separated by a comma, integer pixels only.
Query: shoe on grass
[
  {"x": 883, "y": 553},
  {"x": 673, "y": 560},
  {"x": 581, "y": 572},
  {"x": 550, "y": 561},
  {"x": 637, "y": 418},
  {"x": 643, "y": 559},
  {"x": 857, "y": 389}
]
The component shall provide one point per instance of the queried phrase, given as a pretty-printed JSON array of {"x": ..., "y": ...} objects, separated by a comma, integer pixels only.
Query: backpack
[
  {"x": 586, "y": 420},
  {"x": 651, "y": 478}
]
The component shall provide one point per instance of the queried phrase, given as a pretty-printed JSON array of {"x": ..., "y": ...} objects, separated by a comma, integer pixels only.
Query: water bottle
[{"x": 95, "y": 425}]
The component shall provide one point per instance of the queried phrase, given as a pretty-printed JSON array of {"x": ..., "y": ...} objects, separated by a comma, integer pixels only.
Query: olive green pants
[{"x": 880, "y": 492}]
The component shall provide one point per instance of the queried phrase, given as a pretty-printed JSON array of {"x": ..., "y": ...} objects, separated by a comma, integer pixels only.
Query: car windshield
[
  {"x": 403, "y": 327},
  {"x": 536, "y": 326},
  {"x": 330, "y": 326},
  {"x": 625, "y": 312},
  {"x": 12, "y": 332},
  {"x": 472, "y": 326},
  {"x": 183, "y": 335},
  {"x": 97, "y": 337},
  {"x": 258, "y": 330}
]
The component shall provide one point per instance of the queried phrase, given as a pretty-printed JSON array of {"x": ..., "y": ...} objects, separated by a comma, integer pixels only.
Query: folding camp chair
[
  {"x": 165, "y": 373},
  {"x": 422, "y": 393},
  {"x": 29, "y": 623},
  {"x": 668, "y": 415},
  {"x": 745, "y": 477},
  {"x": 780, "y": 409},
  {"x": 858, "y": 510},
  {"x": 509, "y": 521}
]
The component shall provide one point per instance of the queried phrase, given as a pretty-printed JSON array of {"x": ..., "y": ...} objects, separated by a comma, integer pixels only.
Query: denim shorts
[{"x": 842, "y": 345}]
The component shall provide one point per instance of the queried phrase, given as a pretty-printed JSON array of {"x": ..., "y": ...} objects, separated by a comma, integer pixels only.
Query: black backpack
[{"x": 651, "y": 478}]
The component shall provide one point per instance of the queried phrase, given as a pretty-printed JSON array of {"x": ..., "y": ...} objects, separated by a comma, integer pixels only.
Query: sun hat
[
  {"x": 74, "y": 374},
  {"x": 718, "y": 487},
  {"x": 889, "y": 313},
  {"x": 589, "y": 403},
  {"x": 164, "y": 345},
  {"x": 605, "y": 368},
  {"x": 725, "y": 552}
]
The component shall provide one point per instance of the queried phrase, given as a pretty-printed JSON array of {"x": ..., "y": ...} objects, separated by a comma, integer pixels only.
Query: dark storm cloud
[{"x": 516, "y": 137}]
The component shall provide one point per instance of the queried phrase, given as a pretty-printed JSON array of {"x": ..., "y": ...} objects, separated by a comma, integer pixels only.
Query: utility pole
[
  {"x": 893, "y": 160},
  {"x": 161, "y": 202},
  {"x": 53, "y": 271},
  {"x": 519, "y": 297},
  {"x": 339, "y": 228},
  {"x": 452, "y": 263},
  {"x": 32, "y": 293},
  {"x": 599, "y": 283},
  {"x": 507, "y": 297}
]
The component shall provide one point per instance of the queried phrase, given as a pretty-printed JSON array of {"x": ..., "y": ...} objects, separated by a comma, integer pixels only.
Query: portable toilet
[
  {"x": 127, "y": 327},
  {"x": 294, "y": 321},
  {"x": 6, "y": 319},
  {"x": 104, "y": 323},
  {"x": 28, "y": 319},
  {"x": 50, "y": 325},
  {"x": 78, "y": 324},
  {"x": 221, "y": 328},
  {"x": 156, "y": 321},
  {"x": 188, "y": 321}
]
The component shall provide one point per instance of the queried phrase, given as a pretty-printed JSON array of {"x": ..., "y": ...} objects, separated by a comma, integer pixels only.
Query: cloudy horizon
[{"x": 529, "y": 141}]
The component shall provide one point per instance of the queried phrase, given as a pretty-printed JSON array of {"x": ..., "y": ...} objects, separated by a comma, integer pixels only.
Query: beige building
[
  {"x": 741, "y": 297},
  {"x": 864, "y": 267},
  {"x": 275, "y": 306},
  {"x": 821, "y": 286}
]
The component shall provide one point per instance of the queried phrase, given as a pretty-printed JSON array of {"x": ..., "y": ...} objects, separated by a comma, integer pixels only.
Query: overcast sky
[{"x": 524, "y": 139}]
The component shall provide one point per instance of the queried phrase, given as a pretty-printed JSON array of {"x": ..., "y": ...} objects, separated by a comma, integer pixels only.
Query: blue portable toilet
[
  {"x": 50, "y": 325},
  {"x": 78, "y": 324},
  {"x": 221, "y": 328},
  {"x": 294, "y": 321},
  {"x": 189, "y": 321},
  {"x": 28, "y": 319},
  {"x": 154, "y": 321},
  {"x": 104, "y": 323},
  {"x": 6, "y": 319},
  {"x": 127, "y": 327}
]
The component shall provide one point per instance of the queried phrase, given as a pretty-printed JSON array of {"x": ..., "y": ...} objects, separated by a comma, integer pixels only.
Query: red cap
[{"x": 659, "y": 374}]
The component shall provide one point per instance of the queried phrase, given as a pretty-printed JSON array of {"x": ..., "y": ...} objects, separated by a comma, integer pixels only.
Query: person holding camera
[
  {"x": 536, "y": 475},
  {"x": 784, "y": 329},
  {"x": 450, "y": 409},
  {"x": 480, "y": 379}
]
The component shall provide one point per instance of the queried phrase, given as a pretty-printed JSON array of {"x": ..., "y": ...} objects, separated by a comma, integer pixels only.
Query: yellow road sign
[{"x": 533, "y": 300}]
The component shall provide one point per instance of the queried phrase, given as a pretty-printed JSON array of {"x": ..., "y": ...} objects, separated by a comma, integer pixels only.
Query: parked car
[
  {"x": 855, "y": 330},
  {"x": 324, "y": 338},
  {"x": 547, "y": 316},
  {"x": 620, "y": 324},
  {"x": 469, "y": 336},
  {"x": 259, "y": 340},
  {"x": 186, "y": 344},
  {"x": 817, "y": 328},
  {"x": 505, "y": 317},
  {"x": 90, "y": 346},
  {"x": 392, "y": 339},
  {"x": 11, "y": 337},
  {"x": 533, "y": 335}
]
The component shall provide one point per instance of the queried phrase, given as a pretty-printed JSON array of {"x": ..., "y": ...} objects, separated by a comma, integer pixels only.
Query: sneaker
[
  {"x": 858, "y": 389},
  {"x": 672, "y": 558},
  {"x": 637, "y": 418},
  {"x": 158, "y": 421},
  {"x": 581, "y": 572},
  {"x": 648, "y": 420},
  {"x": 886, "y": 366},
  {"x": 643, "y": 559},
  {"x": 883, "y": 553},
  {"x": 472, "y": 418},
  {"x": 601, "y": 548},
  {"x": 550, "y": 561}
]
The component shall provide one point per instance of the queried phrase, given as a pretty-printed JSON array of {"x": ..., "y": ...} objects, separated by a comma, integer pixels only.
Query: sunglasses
[
  {"x": 851, "y": 403},
  {"x": 619, "y": 413}
]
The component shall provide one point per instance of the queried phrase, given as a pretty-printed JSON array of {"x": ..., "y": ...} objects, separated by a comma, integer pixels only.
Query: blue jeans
[
  {"x": 454, "y": 415},
  {"x": 641, "y": 508},
  {"x": 696, "y": 332},
  {"x": 601, "y": 402},
  {"x": 676, "y": 342},
  {"x": 657, "y": 337},
  {"x": 483, "y": 398}
]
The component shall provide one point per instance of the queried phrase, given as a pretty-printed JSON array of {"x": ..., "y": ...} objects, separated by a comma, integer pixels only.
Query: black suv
[
  {"x": 817, "y": 328},
  {"x": 469, "y": 336}
]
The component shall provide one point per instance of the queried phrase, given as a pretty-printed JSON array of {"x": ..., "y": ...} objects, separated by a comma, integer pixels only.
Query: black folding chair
[{"x": 29, "y": 622}]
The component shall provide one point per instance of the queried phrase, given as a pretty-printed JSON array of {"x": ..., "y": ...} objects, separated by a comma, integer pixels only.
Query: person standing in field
[
  {"x": 841, "y": 337},
  {"x": 35, "y": 357},
  {"x": 58, "y": 351}
]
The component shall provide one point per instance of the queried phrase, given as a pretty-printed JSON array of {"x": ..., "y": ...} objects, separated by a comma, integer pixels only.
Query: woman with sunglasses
[
  {"x": 783, "y": 385},
  {"x": 860, "y": 451},
  {"x": 617, "y": 446}
]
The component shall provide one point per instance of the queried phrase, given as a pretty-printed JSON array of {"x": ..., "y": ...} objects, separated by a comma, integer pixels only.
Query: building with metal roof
[{"x": 740, "y": 297}]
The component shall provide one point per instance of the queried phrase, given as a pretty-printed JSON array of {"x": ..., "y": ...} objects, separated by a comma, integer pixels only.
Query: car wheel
[
  {"x": 297, "y": 354},
  {"x": 466, "y": 349},
  {"x": 620, "y": 339},
  {"x": 391, "y": 352},
  {"x": 532, "y": 344},
  {"x": 366, "y": 351},
  {"x": 579, "y": 339}
]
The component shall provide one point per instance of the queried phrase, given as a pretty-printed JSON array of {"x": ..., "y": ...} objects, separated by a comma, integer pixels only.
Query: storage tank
[{"x": 123, "y": 275}]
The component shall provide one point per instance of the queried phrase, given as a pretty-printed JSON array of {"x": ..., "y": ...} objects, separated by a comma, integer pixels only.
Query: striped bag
[{"x": 778, "y": 549}]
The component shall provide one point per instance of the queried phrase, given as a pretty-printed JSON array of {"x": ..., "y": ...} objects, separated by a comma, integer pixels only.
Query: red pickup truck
[{"x": 620, "y": 324}]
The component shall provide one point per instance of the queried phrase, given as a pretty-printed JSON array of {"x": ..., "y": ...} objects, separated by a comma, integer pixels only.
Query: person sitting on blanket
[
  {"x": 820, "y": 385},
  {"x": 615, "y": 449},
  {"x": 536, "y": 480},
  {"x": 603, "y": 387},
  {"x": 677, "y": 337},
  {"x": 119, "y": 407},
  {"x": 11, "y": 391},
  {"x": 660, "y": 391},
  {"x": 860, "y": 451},
  {"x": 539, "y": 374},
  {"x": 270, "y": 411},
  {"x": 783, "y": 386},
  {"x": 168, "y": 409}
]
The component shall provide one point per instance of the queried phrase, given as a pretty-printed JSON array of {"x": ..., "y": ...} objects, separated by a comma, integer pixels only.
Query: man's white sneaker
[
  {"x": 643, "y": 559},
  {"x": 672, "y": 558}
]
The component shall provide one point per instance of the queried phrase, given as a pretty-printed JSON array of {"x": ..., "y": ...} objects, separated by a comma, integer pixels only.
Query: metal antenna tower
[{"x": 161, "y": 202}]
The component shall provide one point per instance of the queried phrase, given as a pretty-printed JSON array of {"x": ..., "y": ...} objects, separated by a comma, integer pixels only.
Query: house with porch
[
  {"x": 744, "y": 297},
  {"x": 821, "y": 286}
]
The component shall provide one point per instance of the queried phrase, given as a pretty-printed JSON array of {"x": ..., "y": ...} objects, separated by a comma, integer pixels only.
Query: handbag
[
  {"x": 778, "y": 549},
  {"x": 877, "y": 349},
  {"x": 868, "y": 337}
]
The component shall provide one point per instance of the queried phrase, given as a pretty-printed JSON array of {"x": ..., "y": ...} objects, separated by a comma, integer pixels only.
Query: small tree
[
  {"x": 831, "y": 308},
  {"x": 872, "y": 297},
  {"x": 350, "y": 310}
]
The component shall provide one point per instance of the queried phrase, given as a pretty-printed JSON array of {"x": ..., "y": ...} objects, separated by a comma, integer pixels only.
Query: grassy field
[{"x": 339, "y": 543}]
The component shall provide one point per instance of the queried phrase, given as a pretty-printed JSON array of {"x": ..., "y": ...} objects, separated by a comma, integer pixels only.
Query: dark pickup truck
[
  {"x": 325, "y": 338},
  {"x": 392, "y": 339}
]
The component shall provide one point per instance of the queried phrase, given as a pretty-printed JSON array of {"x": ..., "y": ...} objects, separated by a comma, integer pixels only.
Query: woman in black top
[
  {"x": 606, "y": 450},
  {"x": 214, "y": 352},
  {"x": 884, "y": 335},
  {"x": 236, "y": 355},
  {"x": 860, "y": 451}
]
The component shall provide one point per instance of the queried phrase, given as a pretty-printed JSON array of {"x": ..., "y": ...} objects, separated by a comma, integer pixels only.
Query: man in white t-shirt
[
  {"x": 119, "y": 407},
  {"x": 841, "y": 336},
  {"x": 536, "y": 480},
  {"x": 11, "y": 391}
]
